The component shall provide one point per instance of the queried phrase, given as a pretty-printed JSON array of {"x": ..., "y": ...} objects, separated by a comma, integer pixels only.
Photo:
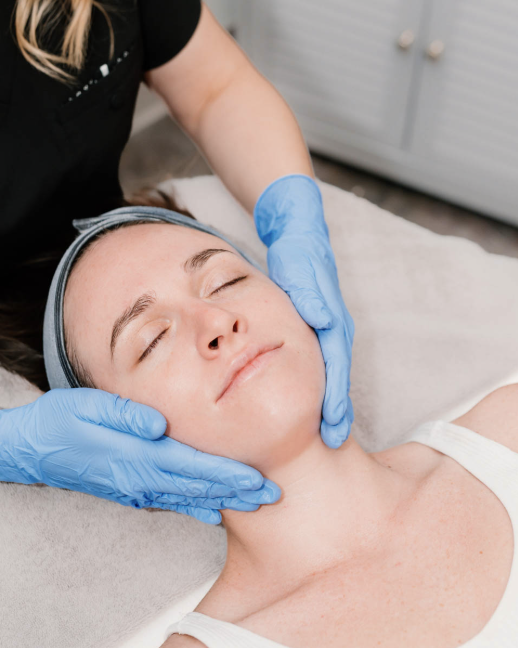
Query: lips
[{"x": 245, "y": 364}]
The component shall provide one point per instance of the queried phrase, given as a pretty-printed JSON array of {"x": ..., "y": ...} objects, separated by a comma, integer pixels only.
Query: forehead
[
  {"x": 138, "y": 248},
  {"x": 130, "y": 259},
  {"x": 160, "y": 241}
]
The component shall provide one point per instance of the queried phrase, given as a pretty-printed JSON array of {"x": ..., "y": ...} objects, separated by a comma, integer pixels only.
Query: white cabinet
[
  {"x": 422, "y": 91},
  {"x": 335, "y": 61},
  {"x": 466, "y": 117}
]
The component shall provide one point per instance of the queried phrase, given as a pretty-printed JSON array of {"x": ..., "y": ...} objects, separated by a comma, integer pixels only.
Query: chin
[
  {"x": 265, "y": 420},
  {"x": 286, "y": 393},
  {"x": 272, "y": 422}
]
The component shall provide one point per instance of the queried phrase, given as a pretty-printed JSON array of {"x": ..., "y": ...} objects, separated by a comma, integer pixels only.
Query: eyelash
[
  {"x": 214, "y": 292},
  {"x": 228, "y": 284},
  {"x": 153, "y": 345}
]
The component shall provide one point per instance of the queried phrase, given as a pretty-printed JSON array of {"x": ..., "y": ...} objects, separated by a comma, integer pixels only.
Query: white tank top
[{"x": 494, "y": 465}]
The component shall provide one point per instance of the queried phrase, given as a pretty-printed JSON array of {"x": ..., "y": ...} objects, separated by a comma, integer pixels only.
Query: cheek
[
  {"x": 177, "y": 403},
  {"x": 269, "y": 416},
  {"x": 276, "y": 413},
  {"x": 305, "y": 372},
  {"x": 285, "y": 402},
  {"x": 195, "y": 420},
  {"x": 180, "y": 392}
]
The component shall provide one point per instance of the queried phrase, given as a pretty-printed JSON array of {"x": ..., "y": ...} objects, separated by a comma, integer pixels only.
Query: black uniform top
[{"x": 60, "y": 146}]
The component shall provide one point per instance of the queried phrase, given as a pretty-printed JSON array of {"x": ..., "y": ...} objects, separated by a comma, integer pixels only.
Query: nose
[{"x": 217, "y": 328}]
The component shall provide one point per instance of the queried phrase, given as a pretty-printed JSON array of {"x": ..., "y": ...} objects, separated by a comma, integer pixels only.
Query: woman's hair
[
  {"x": 35, "y": 21},
  {"x": 21, "y": 322}
]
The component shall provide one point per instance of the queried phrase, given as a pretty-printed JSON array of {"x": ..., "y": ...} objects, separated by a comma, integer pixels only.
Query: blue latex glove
[
  {"x": 289, "y": 217},
  {"x": 98, "y": 443}
]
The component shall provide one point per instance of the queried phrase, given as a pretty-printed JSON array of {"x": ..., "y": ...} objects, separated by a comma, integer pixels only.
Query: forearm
[{"x": 250, "y": 137}]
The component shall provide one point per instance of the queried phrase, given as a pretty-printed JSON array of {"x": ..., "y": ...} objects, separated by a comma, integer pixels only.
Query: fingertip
[
  {"x": 214, "y": 517},
  {"x": 335, "y": 398},
  {"x": 317, "y": 315},
  {"x": 321, "y": 322},
  {"x": 325, "y": 318},
  {"x": 350, "y": 411},
  {"x": 335, "y": 435},
  {"x": 150, "y": 422},
  {"x": 209, "y": 516},
  {"x": 251, "y": 480},
  {"x": 235, "y": 504},
  {"x": 312, "y": 310},
  {"x": 333, "y": 411},
  {"x": 275, "y": 491},
  {"x": 267, "y": 494}
]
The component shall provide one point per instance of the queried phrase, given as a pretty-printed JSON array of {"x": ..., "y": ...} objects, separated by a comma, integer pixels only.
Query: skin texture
[
  {"x": 183, "y": 375},
  {"x": 270, "y": 421},
  {"x": 393, "y": 548}
]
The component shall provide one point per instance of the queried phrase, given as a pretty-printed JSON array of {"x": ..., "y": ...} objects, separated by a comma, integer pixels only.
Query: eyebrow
[
  {"x": 140, "y": 305},
  {"x": 199, "y": 259}
]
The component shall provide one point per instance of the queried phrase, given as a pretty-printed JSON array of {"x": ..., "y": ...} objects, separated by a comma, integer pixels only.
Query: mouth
[{"x": 246, "y": 365}]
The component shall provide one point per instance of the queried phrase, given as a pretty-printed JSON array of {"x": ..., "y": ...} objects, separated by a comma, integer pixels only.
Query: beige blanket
[{"x": 436, "y": 329}]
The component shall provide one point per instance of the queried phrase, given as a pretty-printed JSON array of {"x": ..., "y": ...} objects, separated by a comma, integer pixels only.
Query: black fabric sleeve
[{"x": 167, "y": 26}]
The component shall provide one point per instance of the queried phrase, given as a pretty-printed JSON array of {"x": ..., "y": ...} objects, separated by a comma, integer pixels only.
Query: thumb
[{"x": 122, "y": 414}]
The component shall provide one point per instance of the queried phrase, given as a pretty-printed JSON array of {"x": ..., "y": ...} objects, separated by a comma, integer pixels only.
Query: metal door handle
[
  {"x": 406, "y": 39},
  {"x": 435, "y": 49}
]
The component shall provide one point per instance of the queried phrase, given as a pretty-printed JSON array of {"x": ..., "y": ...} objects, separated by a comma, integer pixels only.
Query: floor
[{"x": 163, "y": 151}]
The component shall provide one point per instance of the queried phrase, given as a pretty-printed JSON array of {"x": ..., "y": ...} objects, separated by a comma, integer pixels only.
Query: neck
[{"x": 337, "y": 506}]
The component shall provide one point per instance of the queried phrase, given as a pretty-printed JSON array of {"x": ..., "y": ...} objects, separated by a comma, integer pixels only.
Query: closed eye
[
  {"x": 161, "y": 335},
  {"x": 153, "y": 345},
  {"x": 228, "y": 284}
]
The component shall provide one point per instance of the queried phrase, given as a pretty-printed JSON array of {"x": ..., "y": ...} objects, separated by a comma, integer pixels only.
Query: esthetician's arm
[{"x": 251, "y": 139}]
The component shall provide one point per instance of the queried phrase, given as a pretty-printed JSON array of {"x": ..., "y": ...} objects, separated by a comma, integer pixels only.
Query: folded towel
[{"x": 436, "y": 327}]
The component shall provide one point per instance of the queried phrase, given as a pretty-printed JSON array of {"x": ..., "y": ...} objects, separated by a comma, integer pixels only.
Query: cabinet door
[
  {"x": 336, "y": 62},
  {"x": 466, "y": 118}
]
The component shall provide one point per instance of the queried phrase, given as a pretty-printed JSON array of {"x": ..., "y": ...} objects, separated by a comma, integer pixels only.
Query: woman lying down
[{"x": 411, "y": 546}]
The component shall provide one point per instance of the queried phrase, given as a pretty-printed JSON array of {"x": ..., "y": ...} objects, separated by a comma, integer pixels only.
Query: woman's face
[{"x": 166, "y": 315}]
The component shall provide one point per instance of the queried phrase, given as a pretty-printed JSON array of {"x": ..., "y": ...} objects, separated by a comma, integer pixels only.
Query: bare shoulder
[
  {"x": 495, "y": 417},
  {"x": 182, "y": 641}
]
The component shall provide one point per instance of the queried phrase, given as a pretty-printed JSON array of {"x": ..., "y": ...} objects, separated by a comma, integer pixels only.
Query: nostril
[
  {"x": 214, "y": 344},
  {"x": 234, "y": 328}
]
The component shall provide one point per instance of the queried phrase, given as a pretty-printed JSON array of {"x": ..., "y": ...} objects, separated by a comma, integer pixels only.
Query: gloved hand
[
  {"x": 289, "y": 217},
  {"x": 98, "y": 443}
]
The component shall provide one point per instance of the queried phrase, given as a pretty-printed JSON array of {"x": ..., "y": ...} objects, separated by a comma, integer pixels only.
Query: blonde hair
[{"x": 34, "y": 19}]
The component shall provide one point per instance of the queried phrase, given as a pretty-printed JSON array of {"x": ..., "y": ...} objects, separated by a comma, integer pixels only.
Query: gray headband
[{"x": 59, "y": 370}]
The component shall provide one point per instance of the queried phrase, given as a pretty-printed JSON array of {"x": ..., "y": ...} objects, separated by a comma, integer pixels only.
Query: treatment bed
[{"x": 436, "y": 330}]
